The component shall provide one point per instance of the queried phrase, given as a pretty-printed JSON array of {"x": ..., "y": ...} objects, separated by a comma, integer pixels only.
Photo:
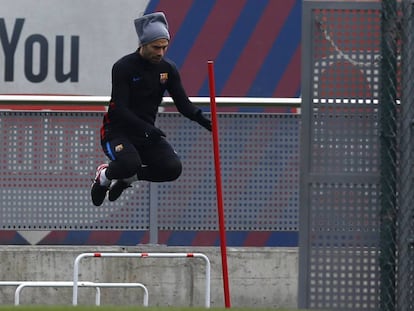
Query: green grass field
[{"x": 129, "y": 308}]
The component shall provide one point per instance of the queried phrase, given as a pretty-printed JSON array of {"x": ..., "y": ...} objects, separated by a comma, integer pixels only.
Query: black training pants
[{"x": 150, "y": 160}]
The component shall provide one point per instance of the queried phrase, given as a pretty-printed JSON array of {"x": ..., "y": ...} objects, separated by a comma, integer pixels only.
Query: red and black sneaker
[
  {"x": 116, "y": 189},
  {"x": 98, "y": 192}
]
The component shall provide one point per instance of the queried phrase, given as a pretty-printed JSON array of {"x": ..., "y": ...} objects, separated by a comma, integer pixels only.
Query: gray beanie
[{"x": 151, "y": 27}]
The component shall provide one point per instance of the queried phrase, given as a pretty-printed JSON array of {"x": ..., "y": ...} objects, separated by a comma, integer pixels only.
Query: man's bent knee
[{"x": 172, "y": 170}]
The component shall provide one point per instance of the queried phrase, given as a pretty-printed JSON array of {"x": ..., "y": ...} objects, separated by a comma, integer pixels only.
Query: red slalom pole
[{"x": 220, "y": 206}]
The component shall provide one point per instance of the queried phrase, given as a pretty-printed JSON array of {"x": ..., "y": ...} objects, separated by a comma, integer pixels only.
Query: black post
[{"x": 388, "y": 137}]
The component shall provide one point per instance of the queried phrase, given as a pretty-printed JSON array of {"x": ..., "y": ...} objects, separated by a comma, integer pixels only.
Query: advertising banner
[
  {"x": 68, "y": 47},
  {"x": 64, "y": 47}
]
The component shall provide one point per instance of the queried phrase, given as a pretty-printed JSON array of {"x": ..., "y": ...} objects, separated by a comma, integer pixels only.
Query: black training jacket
[{"x": 138, "y": 87}]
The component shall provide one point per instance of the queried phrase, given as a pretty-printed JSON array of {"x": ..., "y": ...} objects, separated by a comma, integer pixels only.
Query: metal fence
[
  {"x": 405, "y": 220},
  {"x": 356, "y": 226},
  {"x": 48, "y": 159}
]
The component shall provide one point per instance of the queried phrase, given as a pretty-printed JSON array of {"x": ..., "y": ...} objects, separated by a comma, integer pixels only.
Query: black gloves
[
  {"x": 202, "y": 120},
  {"x": 154, "y": 134}
]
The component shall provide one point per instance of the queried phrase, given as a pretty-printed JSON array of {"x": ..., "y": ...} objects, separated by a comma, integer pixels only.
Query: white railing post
[{"x": 76, "y": 277}]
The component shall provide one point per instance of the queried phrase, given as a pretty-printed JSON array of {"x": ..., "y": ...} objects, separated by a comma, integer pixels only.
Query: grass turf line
[{"x": 127, "y": 308}]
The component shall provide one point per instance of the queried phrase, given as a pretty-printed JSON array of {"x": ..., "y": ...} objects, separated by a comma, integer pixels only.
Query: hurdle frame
[
  {"x": 25, "y": 284},
  {"x": 97, "y": 285},
  {"x": 141, "y": 255}
]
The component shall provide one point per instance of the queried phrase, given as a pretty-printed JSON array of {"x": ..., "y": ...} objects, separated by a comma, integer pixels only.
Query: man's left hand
[{"x": 203, "y": 121}]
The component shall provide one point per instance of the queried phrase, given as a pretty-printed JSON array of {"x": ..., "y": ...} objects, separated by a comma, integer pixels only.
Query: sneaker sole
[{"x": 97, "y": 200}]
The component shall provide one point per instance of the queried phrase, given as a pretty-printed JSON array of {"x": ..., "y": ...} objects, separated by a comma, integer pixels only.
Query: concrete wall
[{"x": 259, "y": 277}]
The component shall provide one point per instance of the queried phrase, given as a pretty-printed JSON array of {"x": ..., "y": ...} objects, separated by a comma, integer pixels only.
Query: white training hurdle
[
  {"x": 54, "y": 284},
  {"x": 20, "y": 285},
  {"x": 141, "y": 255}
]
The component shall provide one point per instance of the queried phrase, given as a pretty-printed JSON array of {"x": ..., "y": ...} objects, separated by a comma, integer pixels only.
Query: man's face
[{"x": 155, "y": 50}]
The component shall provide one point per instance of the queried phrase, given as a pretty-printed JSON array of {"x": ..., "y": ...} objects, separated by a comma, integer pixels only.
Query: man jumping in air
[{"x": 136, "y": 148}]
